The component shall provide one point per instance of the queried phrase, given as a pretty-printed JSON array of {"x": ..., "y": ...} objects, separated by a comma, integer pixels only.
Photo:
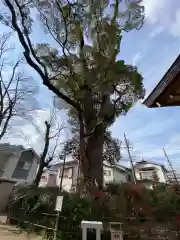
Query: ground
[{"x": 10, "y": 233}]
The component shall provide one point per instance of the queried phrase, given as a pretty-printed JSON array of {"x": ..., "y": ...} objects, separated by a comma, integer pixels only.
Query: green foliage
[
  {"x": 161, "y": 205},
  {"x": 88, "y": 71},
  {"x": 83, "y": 68},
  {"x": 111, "y": 148},
  {"x": 36, "y": 206}
]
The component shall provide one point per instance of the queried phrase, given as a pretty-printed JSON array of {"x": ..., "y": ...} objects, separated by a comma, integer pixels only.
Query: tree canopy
[{"x": 83, "y": 67}]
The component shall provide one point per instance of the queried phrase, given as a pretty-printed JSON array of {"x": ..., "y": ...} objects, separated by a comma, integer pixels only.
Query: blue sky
[{"x": 153, "y": 49}]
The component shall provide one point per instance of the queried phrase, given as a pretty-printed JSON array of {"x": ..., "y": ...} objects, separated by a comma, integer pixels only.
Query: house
[
  {"x": 112, "y": 173},
  {"x": 150, "y": 173},
  {"x": 70, "y": 175},
  {"x": 173, "y": 178},
  {"x": 116, "y": 173},
  {"x": 48, "y": 178},
  {"x": 17, "y": 163}
]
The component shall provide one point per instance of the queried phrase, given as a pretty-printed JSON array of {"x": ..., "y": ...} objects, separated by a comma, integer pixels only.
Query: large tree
[{"x": 85, "y": 69}]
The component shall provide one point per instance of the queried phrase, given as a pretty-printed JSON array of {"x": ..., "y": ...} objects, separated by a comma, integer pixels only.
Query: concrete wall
[
  {"x": 33, "y": 170},
  {"x": 66, "y": 183},
  {"x": 120, "y": 176},
  {"x": 113, "y": 174},
  {"x": 48, "y": 179},
  {"x": 5, "y": 192},
  {"x": 108, "y": 174},
  {"x": 11, "y": 165}
]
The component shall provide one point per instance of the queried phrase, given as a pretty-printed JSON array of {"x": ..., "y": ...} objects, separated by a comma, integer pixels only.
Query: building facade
[
  {"x": 150, "y": 173},
  {"x": 17, "y": 163},
  {"x": 116, "y": 174}
]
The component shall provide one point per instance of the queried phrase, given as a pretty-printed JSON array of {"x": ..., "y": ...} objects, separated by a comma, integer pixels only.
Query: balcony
[{"x": 148, "y": 175}]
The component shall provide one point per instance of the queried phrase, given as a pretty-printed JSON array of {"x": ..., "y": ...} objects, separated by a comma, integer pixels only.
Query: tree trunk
[
  {"x": 84, "y": 164},
  {"x": 94, "y": 153},
  {"x": 38, "y": 175},
  {"x": 91, "y": 156}
]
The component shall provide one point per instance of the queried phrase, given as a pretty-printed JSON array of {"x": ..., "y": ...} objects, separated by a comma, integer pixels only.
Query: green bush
[{"x": 30, "y": 205}]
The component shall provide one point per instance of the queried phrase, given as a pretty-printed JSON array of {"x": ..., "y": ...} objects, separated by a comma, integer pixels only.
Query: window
[
  {"x": 24, "y": 165},
  {"x": 107, "y": 173},
  {"x": 150, "y": 175},
  {"x": 67, "y": 173},
  {"x": 27, "y": 166}
]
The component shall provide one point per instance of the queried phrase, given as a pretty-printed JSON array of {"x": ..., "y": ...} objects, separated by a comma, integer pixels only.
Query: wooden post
[
  {"x": 130, "y": 158},
  {"x": 170, "y": 164},
  {"x": 60, "y": 190}
]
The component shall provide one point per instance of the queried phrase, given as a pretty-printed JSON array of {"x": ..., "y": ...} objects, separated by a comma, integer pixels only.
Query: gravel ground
[{"x": 9, "y": 233}]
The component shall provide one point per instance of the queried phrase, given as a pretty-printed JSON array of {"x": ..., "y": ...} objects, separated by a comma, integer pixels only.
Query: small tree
[
  {"x": 14, "y": 94},
  {"x": 51, "y": 142}
]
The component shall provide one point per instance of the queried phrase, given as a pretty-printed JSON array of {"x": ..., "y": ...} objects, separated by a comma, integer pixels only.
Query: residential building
[
  {"x": 17, "y": 163},
  {"x": 112, "y": 173},
  {"x": 150, "y": 173},
  {"x": 171, "y": 178},
  {"x": 70, "y": 176},
  {"x": 116, "y": 173},
  {"x": 48, "y": 178}
]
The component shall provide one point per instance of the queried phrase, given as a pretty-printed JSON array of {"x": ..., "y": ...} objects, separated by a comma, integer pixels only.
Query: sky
[{"x": 152, "y": 49}]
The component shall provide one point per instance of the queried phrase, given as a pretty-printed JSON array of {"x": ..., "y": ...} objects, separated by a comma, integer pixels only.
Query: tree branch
[{"x": 28, "y": 50}]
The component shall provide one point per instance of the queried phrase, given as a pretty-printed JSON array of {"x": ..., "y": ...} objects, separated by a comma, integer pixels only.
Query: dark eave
[{"x": 167, "y": 91}]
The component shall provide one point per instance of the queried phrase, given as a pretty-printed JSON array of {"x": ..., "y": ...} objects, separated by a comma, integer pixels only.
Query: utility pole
[
  {"x": 170, "y": 164},
  {"x": 59, "y": 192},
  {"x": 130, "y": 158}
]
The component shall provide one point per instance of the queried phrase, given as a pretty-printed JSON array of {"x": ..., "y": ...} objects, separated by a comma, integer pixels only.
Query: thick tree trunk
[
  {"x": 84, "y": 163},
  {"x": 91, "y": 156},
  {"x": 94, "y": 153},
  {"x": 38, "y": 175},
  {"x": 91, "y": 152}
]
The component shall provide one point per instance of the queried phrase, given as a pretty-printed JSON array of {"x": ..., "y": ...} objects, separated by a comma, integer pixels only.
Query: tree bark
[
  {"x": 91, "y": 157},
  {"x": 84, "y": 164},
  {"x": 94, "y": 153}
]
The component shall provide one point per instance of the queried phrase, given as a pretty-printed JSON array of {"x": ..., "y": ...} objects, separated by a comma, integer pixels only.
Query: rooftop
[
  {"x": 15, "y": 149},
  {"x": 167, "y": 91},
  {"x": 151, "y": 162}
]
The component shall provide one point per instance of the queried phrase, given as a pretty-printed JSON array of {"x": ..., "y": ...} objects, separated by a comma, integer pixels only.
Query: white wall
[
  {"x": 48, "y": 179},
  {"x": 10, "y": 166},
  {"x": 66, "y": 183},
  {"x": 108, "y": 174},
  {"x": 120, "y": 176},
  {"x": 116, "y": 175},
  {"x": 161, "y": 175},
  {"x": 33, "y": 170}
]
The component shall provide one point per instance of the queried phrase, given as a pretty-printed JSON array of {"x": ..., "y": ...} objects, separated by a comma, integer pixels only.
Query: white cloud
[
  {"x": 137, "y": 57},
  {"x": 159, "y": 14},
  {"x": 156, "y": 31},
  {"x": 175, "y": 27},
  {"x": 154, "y": 10}
]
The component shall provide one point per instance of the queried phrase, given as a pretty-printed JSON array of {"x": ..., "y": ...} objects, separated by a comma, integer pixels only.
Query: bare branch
[{"x": 28, "y": 50}]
